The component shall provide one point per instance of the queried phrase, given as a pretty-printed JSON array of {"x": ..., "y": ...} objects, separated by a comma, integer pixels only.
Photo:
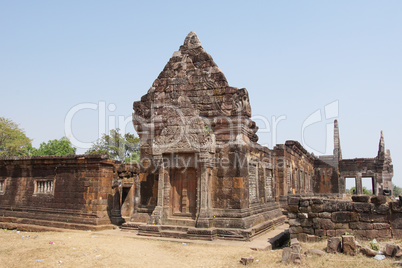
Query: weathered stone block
[
  {"x": 342, "y": 226},
  {"x": 349, "y": 245},
  {"x": 334, "y": 245},
  {"x": 304, "y": 203},
  {"x": 316, "y": 223},
  {"x": 293, "y": 201},
  {"x": 368, "y": 252},
  {"x": 295, "y": 230},
  {"x": 293, "y": 208},
  {"x": 292, "y": 253},
  {"x": 295, "y": 258},
  {"x": 369, "y": 217},
  {"x": 363, "y": 207},
  {"x": 292, "y": 215},
  {"x": 366, "y": 234},
  {"x": 361, "y": 226},
  {"x": 361, "y": 198},
  {"x": 325, "y": 215},
  {"x": 340, "y": 232},
  {"x": 304, "y": 209},
  {"x": 345, "y": 206},
  {"x": 330, "y": 206},
  {"x": 294, "y": 242},
  {"x": 384, "y": 234},
  {"x": 308, "y": 230},
  {"x": 306, "y": 222},
  {"x": 317, "y": 201},
  {"x": 391, "y": 250},
  {"x": 397, "y": 233},
  {"x": 331, "y": 233},
  {"x": 319, "y": 232},
  {"x": 354, "y": 216},
  {"x": 381, "y": 209},
  {"x": 314, "y": 252},
  {"x": 396, "y": 221},
  {"x": 341, "y": 216},
  {"x": 312, "y": 215},
  {"x": 294, "y": 222},
  {"x": 378, "y": 200},
  {"x": 247, "y": 260},
  {"x": 302, "y": 215},
  {"x": 327, "y": 224},
  {"x": 302, "y": 237},
  {"x": 380, "y": 226},
  {"x": 286, "y": 254},
  {"x": 396, "y": 207},
  {"x": 317, "y": 208}
]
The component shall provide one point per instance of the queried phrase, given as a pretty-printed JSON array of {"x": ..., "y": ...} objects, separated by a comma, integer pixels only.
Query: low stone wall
[
  {"x": 41, "y": 193},
  {"x": 366, "y": 217}
]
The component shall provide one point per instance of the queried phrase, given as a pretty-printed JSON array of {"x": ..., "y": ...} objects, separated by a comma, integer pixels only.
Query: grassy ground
[{"x": 91, "y": 249}]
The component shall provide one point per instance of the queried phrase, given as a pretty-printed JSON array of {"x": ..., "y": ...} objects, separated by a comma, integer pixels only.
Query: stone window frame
[
  {"x": 41, "y": 188},
  {"x": 269, "y": 183},
  {"x": 2, "y": 186},
  {"x": 254, "y": 165}
]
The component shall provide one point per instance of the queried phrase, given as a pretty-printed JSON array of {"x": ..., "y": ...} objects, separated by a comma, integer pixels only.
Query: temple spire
[
  {"x": 192, "y": 41},
  {"x": 381, "y": 147},
  {"x": 337, "y": 142}
]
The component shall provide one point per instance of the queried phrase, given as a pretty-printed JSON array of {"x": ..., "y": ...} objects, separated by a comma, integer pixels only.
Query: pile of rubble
[{"x": 346, "y": 244}]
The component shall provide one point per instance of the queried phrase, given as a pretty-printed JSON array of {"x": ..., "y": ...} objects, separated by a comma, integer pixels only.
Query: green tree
[
  {"x": 366, "y": 191},
  {"x": 13, "y": 141},
  {"x": 62, "y": 146},
  {"x": 353, "y": 191},
  {"x": 122, "y": 148},
  {"x": 397, "y": 191}
]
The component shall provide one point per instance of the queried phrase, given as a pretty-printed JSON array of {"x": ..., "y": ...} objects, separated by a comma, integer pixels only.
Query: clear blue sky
[{"x": 294, "y": 57}]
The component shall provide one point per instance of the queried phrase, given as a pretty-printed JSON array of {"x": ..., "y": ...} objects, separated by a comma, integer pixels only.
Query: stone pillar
[
  {"x": 156, "y": 217},
  {"x": 359, "y": 184},
  {"x": 342, "y": 184},
  {"x": 137, "y": 193},
  {"x": 204, "y": 197}
]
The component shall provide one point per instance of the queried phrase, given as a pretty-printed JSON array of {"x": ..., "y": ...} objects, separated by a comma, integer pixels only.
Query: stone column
[
  {"x": 137, "y": 193},
  {"x": 376, "y": 185},
  {"x": 204, "y": 200},
  {"x": 359, "y": 184},
  {"x": 342, "y": 184},
  {"x": 156, "y": 216}
]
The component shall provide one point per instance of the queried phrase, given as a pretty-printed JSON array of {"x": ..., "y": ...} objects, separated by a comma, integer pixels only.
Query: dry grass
[{"x": 91, "y": 249}]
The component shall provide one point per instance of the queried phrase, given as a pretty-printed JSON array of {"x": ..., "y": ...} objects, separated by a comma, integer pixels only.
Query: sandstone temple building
[{"x": 202, "y": 173}]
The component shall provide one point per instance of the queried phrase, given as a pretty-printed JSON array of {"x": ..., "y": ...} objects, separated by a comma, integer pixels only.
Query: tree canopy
[
  {"x": 122, "y": 148},
  {"x": 62, "y": 146},
  {"x": 13, "y": 141},
  {"x": 397, "y": 191},
  {"x": 353, "y": 191}
]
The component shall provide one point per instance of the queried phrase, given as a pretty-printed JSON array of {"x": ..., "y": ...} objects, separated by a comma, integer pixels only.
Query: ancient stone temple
[
  {"x": 202, "y": 174},
  {"x": 203, "y": 169},
  {"x": 378, "y": 170}
]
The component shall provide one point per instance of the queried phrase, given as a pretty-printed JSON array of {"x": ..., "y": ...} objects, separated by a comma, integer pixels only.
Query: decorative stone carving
[{"x": 241, "y": 103}]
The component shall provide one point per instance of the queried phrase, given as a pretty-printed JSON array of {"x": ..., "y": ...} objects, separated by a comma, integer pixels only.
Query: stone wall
[
  {"x": 366, "y": 217},
  {"x": 56, "y": 191},
  {"x": 325, "y": 178},
  {"x": 294, "y": 169}
]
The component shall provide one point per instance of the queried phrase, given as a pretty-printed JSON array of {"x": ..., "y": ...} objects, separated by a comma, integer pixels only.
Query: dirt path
[{"x": 91, "y": 249}]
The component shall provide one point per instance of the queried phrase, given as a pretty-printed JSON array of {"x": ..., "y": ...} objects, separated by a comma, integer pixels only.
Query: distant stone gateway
[{"x": 202, "y": 174}]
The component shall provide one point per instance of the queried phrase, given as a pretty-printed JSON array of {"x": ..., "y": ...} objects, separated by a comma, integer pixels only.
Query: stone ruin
[
  {"x": 202, "y": 173},
  {"x": 202, "y": 160}
]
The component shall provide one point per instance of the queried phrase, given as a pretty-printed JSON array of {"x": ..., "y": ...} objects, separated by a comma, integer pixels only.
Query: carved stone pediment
[{"x": 188, "y": 137}]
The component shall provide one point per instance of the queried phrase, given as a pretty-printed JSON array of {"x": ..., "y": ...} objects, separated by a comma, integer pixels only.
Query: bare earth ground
[{"x": 116, "y": 249}]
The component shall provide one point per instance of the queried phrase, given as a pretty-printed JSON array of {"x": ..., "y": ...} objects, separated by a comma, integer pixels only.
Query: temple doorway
[{"x": 183, "y": 197}]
